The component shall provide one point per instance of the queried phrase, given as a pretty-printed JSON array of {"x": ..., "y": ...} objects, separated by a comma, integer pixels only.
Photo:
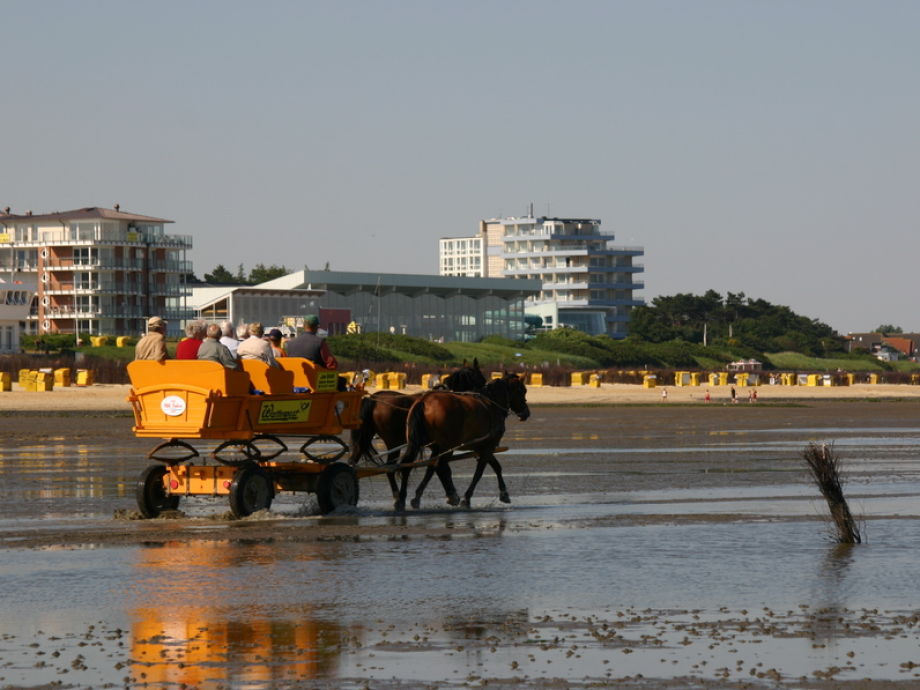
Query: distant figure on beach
[
  {"x": 152, "y": 345},
  {"x": 754, "y": 395},
  {"x": 707, "y": 397},
  {"x": 734, "y": 396},
  {"x": 664, "y": 395}
]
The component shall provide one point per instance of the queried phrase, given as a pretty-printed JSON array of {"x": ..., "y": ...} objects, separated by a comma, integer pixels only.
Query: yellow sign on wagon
[
  {"x": 284, "y": 411},
  {"x": 326, "y": 381}
]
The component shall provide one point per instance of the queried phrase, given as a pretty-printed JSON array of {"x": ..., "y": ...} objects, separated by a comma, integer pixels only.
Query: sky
[{"x": 769, "y": 148}]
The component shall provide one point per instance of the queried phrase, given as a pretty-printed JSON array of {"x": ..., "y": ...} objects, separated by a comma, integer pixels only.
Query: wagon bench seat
[{"x": 203, "y": 399}]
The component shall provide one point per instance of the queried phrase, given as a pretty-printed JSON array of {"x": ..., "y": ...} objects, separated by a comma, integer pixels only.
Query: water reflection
[
  {"x": 831, "y": 595},
  {"x": 194, "y": 630}
]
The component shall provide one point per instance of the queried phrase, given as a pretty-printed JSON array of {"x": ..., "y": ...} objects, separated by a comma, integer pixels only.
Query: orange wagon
[{"x": 248, "y": 413}]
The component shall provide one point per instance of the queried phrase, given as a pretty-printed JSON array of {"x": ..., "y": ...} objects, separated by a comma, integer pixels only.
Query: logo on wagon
[
  {"x": 285, "y": 411},
  {"x": 172, "y": 405}
]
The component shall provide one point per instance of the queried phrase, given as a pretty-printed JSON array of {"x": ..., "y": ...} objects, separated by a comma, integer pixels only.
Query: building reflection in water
[{"x": 188, "y": 633}]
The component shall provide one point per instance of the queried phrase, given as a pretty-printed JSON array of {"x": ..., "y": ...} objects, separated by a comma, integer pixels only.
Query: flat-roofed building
[
  {"x": 98, "y": 270},
  {"x": 447, "y": 308}
]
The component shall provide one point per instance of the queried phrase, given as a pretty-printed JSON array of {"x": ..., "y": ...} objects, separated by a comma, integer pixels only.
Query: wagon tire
[
  {"x": 337, "y": 486},
  {"x": 251, "y": 490},
  {"x": 152, "y": 498}
]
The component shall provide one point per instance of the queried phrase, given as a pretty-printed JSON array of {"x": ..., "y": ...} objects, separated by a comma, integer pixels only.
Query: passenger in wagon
[
  {"x": 188, "y": 348},
  {"x": 214, "y": 350},
  {"x": 274, "y": 339},
  {"x": 312, "y": 346},
  {"x": 256, "y": 347},
  {"x": 153, "y": 345}
]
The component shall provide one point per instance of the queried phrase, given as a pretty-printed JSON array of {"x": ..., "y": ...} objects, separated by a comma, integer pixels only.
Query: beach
[{"x": 113, "y": 397}]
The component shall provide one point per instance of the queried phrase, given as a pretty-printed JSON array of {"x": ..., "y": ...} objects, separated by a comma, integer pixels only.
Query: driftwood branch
[{"x": 825, "y": 470}]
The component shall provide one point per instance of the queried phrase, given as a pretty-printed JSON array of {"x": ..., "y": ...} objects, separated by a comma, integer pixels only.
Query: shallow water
[{"x": 659, "y": 555}]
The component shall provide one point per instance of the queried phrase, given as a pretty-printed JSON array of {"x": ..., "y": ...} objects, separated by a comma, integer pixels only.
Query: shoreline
[{"x": 113, "y": 397}]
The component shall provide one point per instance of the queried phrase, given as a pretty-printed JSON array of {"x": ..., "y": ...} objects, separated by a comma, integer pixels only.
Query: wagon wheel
[
  {"x": 326, "y": 455},
  {"x": 337, "y": 486},
  {"x": 251, "y": 490},
  {"x": 152, "y": 498}
]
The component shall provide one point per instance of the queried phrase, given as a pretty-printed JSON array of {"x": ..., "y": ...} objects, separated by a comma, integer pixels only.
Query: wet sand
[{"x": 545, "y": 650}]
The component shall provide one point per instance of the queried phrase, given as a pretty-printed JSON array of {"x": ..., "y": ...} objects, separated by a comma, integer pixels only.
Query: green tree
[
  {"x": 888, "y": 329},
  {"x": 262, "y": 273},
  {"x": 221, "y": 275}
]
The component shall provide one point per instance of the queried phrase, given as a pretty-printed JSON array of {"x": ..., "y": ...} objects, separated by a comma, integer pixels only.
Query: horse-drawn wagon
[{"x": 250, "y": 412}]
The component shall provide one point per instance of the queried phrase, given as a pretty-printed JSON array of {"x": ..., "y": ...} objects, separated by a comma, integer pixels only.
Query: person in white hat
[{"x": 152, "y": 345}]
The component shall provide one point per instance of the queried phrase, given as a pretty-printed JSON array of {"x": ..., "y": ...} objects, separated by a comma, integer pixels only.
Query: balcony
[{"x": 107, "y": 264}]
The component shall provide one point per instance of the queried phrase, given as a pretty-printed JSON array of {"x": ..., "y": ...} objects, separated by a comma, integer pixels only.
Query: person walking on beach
[
  {"x": 664, "y": 395},
  {"x": 734, "y": 396},
  {"x": 707, "y": 397}
]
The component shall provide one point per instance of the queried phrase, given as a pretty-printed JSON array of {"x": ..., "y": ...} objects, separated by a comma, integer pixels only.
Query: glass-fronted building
[{"x": 440, "y": 308}]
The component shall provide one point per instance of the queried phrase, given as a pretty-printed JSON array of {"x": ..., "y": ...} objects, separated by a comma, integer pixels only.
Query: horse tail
[
  {"x": 416, "y": 431},
  {"x": 362, "y": 436}
]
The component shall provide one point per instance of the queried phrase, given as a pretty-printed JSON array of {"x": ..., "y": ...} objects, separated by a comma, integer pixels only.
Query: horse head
[
  {"x": 510, "y": 392},
  {"x": 465, "y": 379}
]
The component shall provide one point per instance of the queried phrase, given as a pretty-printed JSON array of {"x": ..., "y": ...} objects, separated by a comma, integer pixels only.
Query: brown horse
[
  {"x": 464, "y": 421},
  {"x": 384, "y": 414}
]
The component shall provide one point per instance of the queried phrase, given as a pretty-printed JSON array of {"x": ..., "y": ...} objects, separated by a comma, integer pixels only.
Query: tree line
[{"x": 734, "y": 319}]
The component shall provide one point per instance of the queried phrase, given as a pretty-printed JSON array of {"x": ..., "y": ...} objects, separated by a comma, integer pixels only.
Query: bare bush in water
[{"x": 825, "y": 470}]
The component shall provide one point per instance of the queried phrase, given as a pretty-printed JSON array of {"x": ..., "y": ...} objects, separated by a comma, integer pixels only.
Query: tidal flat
[{"x": 645, "y": 546}]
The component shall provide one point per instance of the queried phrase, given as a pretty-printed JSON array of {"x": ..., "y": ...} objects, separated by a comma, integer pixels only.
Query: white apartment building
[
  {"x": 98, "y": 270},
  {"x": 587, "y": 283},
  {"x": 17, "y": 291},
  {"x": 461, "y": 256}
]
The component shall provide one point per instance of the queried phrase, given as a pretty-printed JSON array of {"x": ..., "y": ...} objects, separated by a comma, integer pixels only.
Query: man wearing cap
[
  {"x": 308, "y": 344},
  {"x": 152, "y": 345}
]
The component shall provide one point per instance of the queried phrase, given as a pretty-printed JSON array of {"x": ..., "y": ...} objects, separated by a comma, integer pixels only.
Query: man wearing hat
[
  {"x": 308, "y": 344},
  {"x": 152, "y": 345}
]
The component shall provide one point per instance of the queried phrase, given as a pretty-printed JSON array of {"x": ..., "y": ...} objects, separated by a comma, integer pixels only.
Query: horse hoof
[
  {"x": 465, "y": 503},
  {"x": 453, "y": 500},
  {"x": 399, "y": 507},
  {"x": 416, "y": 503},
  {"x": 504, "y": 497}
]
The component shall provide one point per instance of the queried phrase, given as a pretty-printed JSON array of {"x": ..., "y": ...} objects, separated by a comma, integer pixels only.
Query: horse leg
[
  {"x": 502, "y": 489},
  {"x": 477, "y": 475},
  {"x": 442, "y": 467},
  {"x": 392, "y": 458},
  {"x": 420, "y": 489}
]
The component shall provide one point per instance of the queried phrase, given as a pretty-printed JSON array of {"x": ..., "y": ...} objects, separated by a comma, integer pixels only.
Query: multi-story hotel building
[
  {"x": 587, "y": 283},
  {"x": 98, "y": 270},
  {"x": 462, "y": 256}
]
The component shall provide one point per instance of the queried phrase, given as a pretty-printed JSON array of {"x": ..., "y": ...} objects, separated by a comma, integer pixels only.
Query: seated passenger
[
  {"x": 228, "y": 337},
  {"x": 152, "y": 345},
  {"x": 311, "y": 346},
  {"x": 188, "y": 348},
  {"x": 214, "y": 350},
  {"x": 256, "y": 347},
  {"x": 274, "y": 339}
]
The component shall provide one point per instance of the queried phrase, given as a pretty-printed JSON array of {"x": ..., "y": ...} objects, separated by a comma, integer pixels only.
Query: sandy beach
[{"x": 113, "y": 397}]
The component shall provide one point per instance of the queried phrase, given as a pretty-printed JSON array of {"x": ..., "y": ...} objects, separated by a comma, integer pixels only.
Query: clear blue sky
[{"x": 770, "y": 148}]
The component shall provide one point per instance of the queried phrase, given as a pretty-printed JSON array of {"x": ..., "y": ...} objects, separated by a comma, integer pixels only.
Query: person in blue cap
[{"x": 310, "y": 345}]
